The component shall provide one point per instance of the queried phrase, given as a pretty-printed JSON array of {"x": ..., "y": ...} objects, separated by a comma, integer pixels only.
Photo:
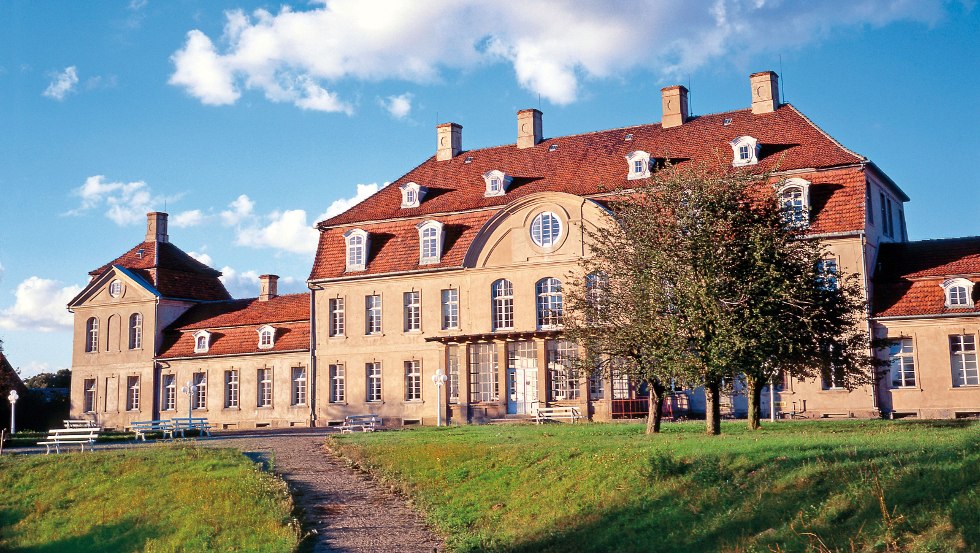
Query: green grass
[
  {"x": 793, "y": 486},
  {"x": 154, "y": 499}
]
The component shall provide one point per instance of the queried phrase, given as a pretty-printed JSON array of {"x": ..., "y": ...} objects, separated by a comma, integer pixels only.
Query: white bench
[
  {"x": 364, "y": 423},
  {"x": 58, "y": 437},
  {"x": 140, "y": 428},
  {"x": 192, "y": 423},
  {"x": 555, "y": 413},
  {"x": 80, "y": 423}
]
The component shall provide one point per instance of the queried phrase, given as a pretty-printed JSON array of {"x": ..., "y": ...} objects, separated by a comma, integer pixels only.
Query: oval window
[
  {"x": 546, "y": 229},
  {"x": 115, "y": 288}
]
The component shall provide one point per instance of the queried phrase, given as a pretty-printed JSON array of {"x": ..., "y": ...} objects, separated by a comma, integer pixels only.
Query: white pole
[
  {"x": 772, "y": 401},
  {"x": 12, "y": 398},
  {"x": 439, "y": 379}
]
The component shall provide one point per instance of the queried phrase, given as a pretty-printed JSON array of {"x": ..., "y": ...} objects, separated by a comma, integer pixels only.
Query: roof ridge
[{"x": 825, "y": 133}]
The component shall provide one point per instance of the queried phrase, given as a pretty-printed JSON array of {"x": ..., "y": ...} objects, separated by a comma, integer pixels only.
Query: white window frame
[
  {"x": 963, "y": 360},
  {"x": 452, "y": 356},
  {"x": 338, "y": 382},
  {"x": 502, "y": 304},
  {"x": 373, "y": 382},
  {"x": 638, "y": 157},
  {"x": 116, "y": 288},
  {"x": 90, "y": 386},
  {"x": 337, "y": 324},
  {"x": 298, "y": 388},
  {"x": 902, "y": 363},
  {"x": 431, "y": 238},
  {"x": 550, "y": 302},
  {"x": 202, "y": 341},
  {"x": 372, "y": 315},
  {"x": 267, "y": 337},
  {"x": 263, "y": 388},
  {"x": 412, "y": 194},
  {"x": 136, "y": 331},
  {"x": 168, "y": 399},
  {"x": 955, "y": 299},
  {"x": 484, "y": 372},
  {"x": 412, "y": 302},
  {"x": 450, "y": 308},
  {"x": 565, "y": 382},
  {"x": 200, "y": 398},
  {"x": 92, "y": 335},
  {"x": 543, "y": 227},
  {"x": 827, "y": 274},
  {"x": 497, "y": 183},
  {"x": 133, "y": 393},
  {"x": 795, "y": 216},
  {"x": 232, "y": 389},
  {"x": 356, "y": 250},
  {"x": 753, "y": 151},
  {"x": 413, "y": 380}
]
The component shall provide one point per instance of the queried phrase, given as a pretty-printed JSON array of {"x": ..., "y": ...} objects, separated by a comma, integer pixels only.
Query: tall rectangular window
[
  {"x": 413, "y": 381},
  {"x": 597, "y": 388},
  {"x": 620, "y": 380},
  {"x": 336, "y": 311},
  {"x": 231, "y": 389},
  {"x": 453, "y": 355},
  {"x": 201, "y": 394},
  {"x": 413, "y": 311},
  {"x": 483, "y": 372},
  {"x": 963, "y": 358},
  {"x": 168, "y": 401},
  {"x": 338, "y": 384},
  {"x": 298, "y": 392},
  {"x": 827, "y": 274},
  {"x": 869, "y": 205},
  {"x": 89, "y": 399},
  {"x": 373, "y": 373},
  {"x": 264, "y": 388},
  {"x": 891, "y": 219},
  {"x": 564, "y": 378},
  {"x": 884, "y": 213},
  {"x": 502, "y": 304},
  {"x": 132, "y": 393},
  {"x": 450, "y": 308},
  {"x": 372, "y": 314},
  {"x": 902, "y": 360}
]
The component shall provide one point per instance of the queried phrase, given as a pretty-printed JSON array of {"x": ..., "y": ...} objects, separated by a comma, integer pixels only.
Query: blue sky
[{"x": 247, "y": 121}]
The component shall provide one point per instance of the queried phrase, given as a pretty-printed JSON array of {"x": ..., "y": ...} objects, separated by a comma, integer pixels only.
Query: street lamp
[
  {"x": 190, "y": 389},
  {"x": 12, "y": 398},
  {"x": 439, "y": 379}
]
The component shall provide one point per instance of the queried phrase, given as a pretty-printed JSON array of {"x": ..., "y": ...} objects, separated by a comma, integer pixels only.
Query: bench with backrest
[
  {"x": 556, "y": 413},
  {"x": 79, "y": 423},
  {"x": 200, "y": 424},
  {"x": 140, "y": 428},
  {"x": 58, "y": 437},
  {"x": 364, "y": 423}
]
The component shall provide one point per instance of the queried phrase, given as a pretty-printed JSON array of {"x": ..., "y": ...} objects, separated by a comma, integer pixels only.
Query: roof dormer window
[
  {"x": 267, "y": 337},
  {"x": 794, "y": 202},
  {"x": 745, "y": 150},
  {"x": 430, "y": 242},
  {"x": 497, "y": 183},
  {"x": 357, "y": 248},
  {"x": 959, "y": 292},
  {"x": 202, "y": 341},
  {"x": 639, "y": 165},
  {"x": 412, "y": 194}
]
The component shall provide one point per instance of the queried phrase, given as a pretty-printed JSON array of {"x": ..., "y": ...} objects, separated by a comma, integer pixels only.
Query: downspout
[
  {"x": 313, "y": 375},
  {"x": 867, "y": 318}
]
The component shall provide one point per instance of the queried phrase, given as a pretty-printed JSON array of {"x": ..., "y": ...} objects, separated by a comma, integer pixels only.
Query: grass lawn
[
  {"x": 166, "y": 498},
  {"x": 793, "y": 486}
]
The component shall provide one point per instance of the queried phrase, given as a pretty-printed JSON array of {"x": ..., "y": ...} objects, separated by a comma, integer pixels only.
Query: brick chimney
[
  {"x": 765, "y": 91},
  {"x": 528, "y": 128},
  {"x": 675, "y": 106},
  {"x": 156, "y": 227},
  {"x": 450, "y": 141},
  {"x": 268, "y": 287}
]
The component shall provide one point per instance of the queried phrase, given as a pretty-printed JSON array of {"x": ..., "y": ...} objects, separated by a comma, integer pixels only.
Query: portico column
[
  {"x": 503, "y": 392},
  {"x": 541, "y": 347}
]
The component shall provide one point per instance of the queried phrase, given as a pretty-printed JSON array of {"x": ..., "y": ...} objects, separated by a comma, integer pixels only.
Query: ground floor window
[
  {"x": 483, "y": 372},
  {"x": 413, "y": 381},
  {"x": 299, "y": 386},
  {"x": 902, "y": 363},
  {"x": 597, "y": 386},
  {"x": 231, "y": 389},
  {"x": 453, "y": 358},
  {"x": 338, "y": 392},
  {"x": 373, "y": 371},
  {"x": 620, "y": 381},
  {"x": 132, "y": 393},
  {"x": 264, "y": 380},
  {"x": 200, "y": 395},
  {"x": 564, "y": 377},
  {"x": 963, "y": 358},
  {"x": 169, "y": 400}
]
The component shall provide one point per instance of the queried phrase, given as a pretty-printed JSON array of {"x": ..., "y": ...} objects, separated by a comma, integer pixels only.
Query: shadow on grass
[{"x": 122, "y": 536}]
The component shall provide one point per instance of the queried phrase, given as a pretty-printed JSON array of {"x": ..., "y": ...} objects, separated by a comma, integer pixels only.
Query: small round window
[
  {"x": 546, "y": 229},
  {"x": 115, "y": 288}
]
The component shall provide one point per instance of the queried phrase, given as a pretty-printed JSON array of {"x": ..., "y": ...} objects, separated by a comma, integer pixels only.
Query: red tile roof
[
  {"x": 909, "y": 275},
  {"x": 239, "y": 340},
  {"x": 244, "y": 312},
  {"x": 171, "y": 271}
]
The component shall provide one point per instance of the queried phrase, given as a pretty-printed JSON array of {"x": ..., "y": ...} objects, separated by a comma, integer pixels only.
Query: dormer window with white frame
[
  {"x": 959, "y": 292},
  {"x": 497, "y": 183},
  {"x": 267, "y": 337},
  {"x": 745, "y": 150},
  {"x": 412, "y": 194},
  {"x": 639, "y": 165},
  {"x": 202, "y": 341},
  {"x": 794, "y": 201},
  {"x": 357, "y": 249},
  {"x": 430, "y": 242}
]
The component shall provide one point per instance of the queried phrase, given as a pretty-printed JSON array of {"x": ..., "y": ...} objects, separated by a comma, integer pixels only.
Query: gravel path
[{"x": 343, "y": 510}]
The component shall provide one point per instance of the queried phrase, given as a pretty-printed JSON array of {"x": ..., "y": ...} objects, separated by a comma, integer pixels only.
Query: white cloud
[
  {"x": 241, "y": 209},
  {"x": 298, "y": 56},
  {"x": 343, "y": 204},
  {"x": 186, "y": 219},
  {"x": 62, "y": 84},
  {"x": 245, "y": 284},
  {"x": 399, "y": 106},
  {"x": 126, "y": 203},
  {"x": 40, "y": 306},
  {"x": 284, "y": 230},
  {"x": 202, "y": 257}
]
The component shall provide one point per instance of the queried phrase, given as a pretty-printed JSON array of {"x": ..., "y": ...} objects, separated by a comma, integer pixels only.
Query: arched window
[
  {"x": 550, "y": 302},
  {"x": 92, "y": 335},
  {"x": 794, "y": 201},
  {"x": 959, "y": 292},
  {"x": 546, "y": 229},
  {"x": 357, "y": 247},
  {"x": 202, "y": 339},
  {"x": 639, "y": 165},
  {"x": 430, "y": 242},
  {"x": 135, "y": 331},
  {"x": 745, "y": 150},
  {"x": 412, "y": 194},
  {"x": 502, "y": 301},
  {"x": 496, "y": 182},
  {"x": 266, "y": 337}
]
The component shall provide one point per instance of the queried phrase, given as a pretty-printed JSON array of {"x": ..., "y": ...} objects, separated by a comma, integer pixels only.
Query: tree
[
  {"x": 705, "y": 282},
  {"x": 60, "y": 379}
]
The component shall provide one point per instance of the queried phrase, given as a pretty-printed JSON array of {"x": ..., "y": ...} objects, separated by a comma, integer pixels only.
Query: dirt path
[{"x": 343, "y": 509}]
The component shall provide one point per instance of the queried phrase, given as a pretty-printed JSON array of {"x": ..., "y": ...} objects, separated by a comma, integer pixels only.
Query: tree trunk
[
  {"x": 754, "y": 386},
  {"x": 712, "y": 410},
  {"x": 655, "y": 411}
]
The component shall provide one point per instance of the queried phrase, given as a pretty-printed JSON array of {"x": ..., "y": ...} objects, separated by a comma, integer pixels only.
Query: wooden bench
[
  {"x": 200, "y": 424},
  {"x": 58, "y": 437},
  {"x": 140, "y": 428},
  {"x": 364, "y": 423},
  {"x": 555, "y": 413},
  {"x": 79, "y": 423}
]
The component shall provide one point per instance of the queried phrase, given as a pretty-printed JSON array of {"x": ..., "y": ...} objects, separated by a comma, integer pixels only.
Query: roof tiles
[{"x": 909, "y": 277}]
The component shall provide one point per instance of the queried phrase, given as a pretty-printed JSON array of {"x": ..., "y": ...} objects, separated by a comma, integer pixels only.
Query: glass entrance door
[{"x": 522, "y": 378}]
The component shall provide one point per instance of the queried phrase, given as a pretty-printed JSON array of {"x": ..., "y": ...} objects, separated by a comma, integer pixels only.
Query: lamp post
[
  {"x": 190, "y": 389},
  {"x": 12, "y": 398},
  {"x": 439, "y": 379}
]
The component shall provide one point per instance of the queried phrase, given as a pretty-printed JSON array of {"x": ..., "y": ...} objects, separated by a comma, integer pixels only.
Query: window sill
[
  {"x": 413, "y": 402},
  {"x": 265, "y": 408},
  {"x": 231, "y": 408},
  {"x": 965, "y": 387},
  {"x": 905, "y": 388},
  {"x": 337, "y": 402}
]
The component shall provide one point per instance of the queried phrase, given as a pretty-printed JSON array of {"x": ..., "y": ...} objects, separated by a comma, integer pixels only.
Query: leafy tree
[
  {"x": 703, "y": 281},
  {"x": 60, "y": 379}
]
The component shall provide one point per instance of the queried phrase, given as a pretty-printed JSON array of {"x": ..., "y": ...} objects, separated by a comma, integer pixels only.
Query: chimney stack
[
  {"x": 675, "y": 106},
  {"x": 450, "y": 141},
  {"x": 528, "y": 128},
  {"x": 268, "y": 287},
  {"x": 765, "y": 92},
  {"x": 156, "y": 227}
]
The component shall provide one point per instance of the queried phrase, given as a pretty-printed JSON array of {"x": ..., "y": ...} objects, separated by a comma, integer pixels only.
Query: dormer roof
[{"x": 908, "y": 282}]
